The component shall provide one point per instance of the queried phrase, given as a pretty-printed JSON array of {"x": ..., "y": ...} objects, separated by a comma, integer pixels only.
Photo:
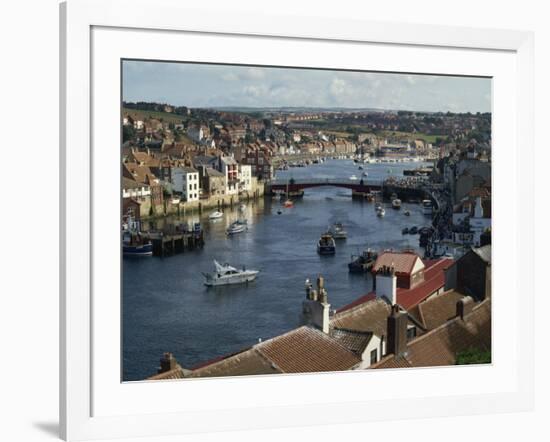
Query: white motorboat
[
  {"x": 215, "y": 215},
  {"x": 381, "y": 212},
  {"x": 427, "y": 207},
  {"x": 226, "y": 275},
  {"x": 396, "y": 203},
  {"x": 353, "y": 178},
  {"x": 236, "y": 227}
]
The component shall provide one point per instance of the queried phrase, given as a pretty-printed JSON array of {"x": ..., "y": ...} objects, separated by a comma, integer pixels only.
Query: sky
[{"x": 202, "y": 85}]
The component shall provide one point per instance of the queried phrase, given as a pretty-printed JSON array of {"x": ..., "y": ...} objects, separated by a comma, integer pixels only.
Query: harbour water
[{"x": 166, "y": 307}]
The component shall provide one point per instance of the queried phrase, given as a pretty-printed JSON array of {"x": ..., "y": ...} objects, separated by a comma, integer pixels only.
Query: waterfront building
[
  {"x": 143, "y": 174},
  {"x": 212, "y": 182},
  {"x": 229, "y": 167},
  {"x": 185, "y": 182},
  {"x": 245, "y": 178}
]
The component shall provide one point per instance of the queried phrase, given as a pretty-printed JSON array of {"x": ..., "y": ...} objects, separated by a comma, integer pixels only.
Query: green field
[
  {"x": 144, "y": 114},
  {"x": 412, "y": 136}
]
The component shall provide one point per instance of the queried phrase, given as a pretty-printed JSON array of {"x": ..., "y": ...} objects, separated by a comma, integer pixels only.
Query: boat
[
  {"x": 236, "y": 227},
  {"x": 413, "y": 230},
  {"x": 363, "y": 262},
  {"x": 427, "y": 207},
  {"x": 226, "y": 275},
  {"x": 279, "y": 212},
  {"x": 381, "y": 212},
  {"x": 365, "y": 174},
  {"x": 242, "y": 207},
  {"x": 215, "y": 215},
  {"x": 360, "y": 168},
  {"x": 405, "y": 231},
  {"x": 337, "y": 231},
  {"x": 133, "y": 243},
  {"x": 377, "y": 206},
  {"x": 353, "y": 178},
  {"x": 288, "y": 204},
  {"x": 396, "y": 203},
  {"x": 326, "y": 245},
  {"x": 407, "y": 213}
]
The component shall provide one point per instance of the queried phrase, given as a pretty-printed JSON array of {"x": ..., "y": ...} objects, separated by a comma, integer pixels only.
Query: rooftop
[
  {"x": 441, "y": 345},
  {"x": 403, "y": 263}
]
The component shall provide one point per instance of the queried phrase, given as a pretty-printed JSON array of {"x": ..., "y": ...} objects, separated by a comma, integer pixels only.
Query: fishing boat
[
  {"x": 215, "y": 215},
  {"x": 235, "y": 228},
  {"x": 326, "y": 245},
  {"x": 363, "y": 262},
  {"x": 337, "y": 231},
  {"x": 133, "y": 243},
  {"x": 226, "y": 275},
  {"x": 396, "y": 204}
]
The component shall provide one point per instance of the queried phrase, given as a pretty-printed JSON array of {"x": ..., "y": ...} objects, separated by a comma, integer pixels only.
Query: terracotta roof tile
[
  {"x": 401, "y": 262},
  {"x": 306, "y": 349},
  {"x": 370, "y": 316},
  {"x": 247, "y": 363},
  {"x": 439, "y": 309},
  {"x": 441, "y": 345}
]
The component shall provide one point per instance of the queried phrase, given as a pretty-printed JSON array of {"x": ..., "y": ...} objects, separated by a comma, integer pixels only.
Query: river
[{"x": 166, "y": 307}]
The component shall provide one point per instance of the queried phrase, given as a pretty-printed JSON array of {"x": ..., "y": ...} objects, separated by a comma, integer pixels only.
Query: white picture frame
[{"x": 91, "y": 405}]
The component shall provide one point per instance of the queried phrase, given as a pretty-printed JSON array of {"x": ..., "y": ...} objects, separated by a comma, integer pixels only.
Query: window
[
  {"x": 374, "y": 356},
  {"x": 411, "y": 333}
]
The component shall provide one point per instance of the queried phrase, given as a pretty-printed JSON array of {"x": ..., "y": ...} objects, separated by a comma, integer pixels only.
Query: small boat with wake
[
  {"x": 363, "y": 262},
  {"x": 238, "y": 226}
]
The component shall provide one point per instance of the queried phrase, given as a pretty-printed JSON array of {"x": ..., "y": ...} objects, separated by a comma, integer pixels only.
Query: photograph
[{"x": 281, "y": 220}]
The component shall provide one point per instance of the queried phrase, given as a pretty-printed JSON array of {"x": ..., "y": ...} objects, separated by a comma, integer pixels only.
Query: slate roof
[{"x": 440, "y": 346}]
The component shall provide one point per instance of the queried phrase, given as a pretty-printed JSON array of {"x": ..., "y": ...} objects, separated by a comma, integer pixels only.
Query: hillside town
[{"x": 427, "y": 306}]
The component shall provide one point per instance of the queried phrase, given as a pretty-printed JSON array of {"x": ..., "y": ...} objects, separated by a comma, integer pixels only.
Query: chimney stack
[
  {"x": 316, "y": 307},
  {"x": 386, "y": 284},
  {"x": 464, "y": 306},
  {"x": 397, "y": 331},
  {"x": 167, "y": 362}
]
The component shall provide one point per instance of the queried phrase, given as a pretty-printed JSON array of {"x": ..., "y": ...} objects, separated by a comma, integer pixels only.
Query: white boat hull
[{"x": 242, "y": 278}]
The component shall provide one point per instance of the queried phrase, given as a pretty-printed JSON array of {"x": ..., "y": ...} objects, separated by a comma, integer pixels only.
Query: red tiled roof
[
  {"x": 362, "y": 299},
  {"x": 307, "y": 350},
  {"x": 434, "y": 279},
  {"x": 402, "y": 262}
]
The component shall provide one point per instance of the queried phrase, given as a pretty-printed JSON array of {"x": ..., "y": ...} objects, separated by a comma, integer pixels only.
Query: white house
[
  {"x": 245, "y": 177},
  {"x": 185, "y": 181},
  {"x": 196, "y": 133},
  {"x": 135, "y": 190}
]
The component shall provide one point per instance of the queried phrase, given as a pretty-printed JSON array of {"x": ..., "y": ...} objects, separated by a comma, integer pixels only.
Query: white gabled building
[{"x": 185, "y": 181}]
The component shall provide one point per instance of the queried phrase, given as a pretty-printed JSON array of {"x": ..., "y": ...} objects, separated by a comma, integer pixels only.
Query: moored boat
[
  {"x": 326, "y": 245},
  {"x": 226, "y": 275},
  {"x": 215, "y": 215},
  {"x": 363, "y": 262},
  {"x": 407, "y": 213},
  {"x": 405, "y": 231},
  {"x": 381, "y": 212},
  {"x": 353, "y": 178},
  {"x": 337, "y": 231},
  {"x": 133, "y": 243},
  {"x": 396, "y": 204},
  {"x": 236, "y": 227}
]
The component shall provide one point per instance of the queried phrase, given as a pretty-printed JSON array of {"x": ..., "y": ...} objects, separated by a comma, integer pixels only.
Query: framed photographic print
[{"x": 285, "y": 216}]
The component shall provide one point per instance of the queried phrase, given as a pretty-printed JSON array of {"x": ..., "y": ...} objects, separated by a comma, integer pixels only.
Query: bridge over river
[
  {"x": 298, "y": 186},
  {"x": 360, "y": 187}
]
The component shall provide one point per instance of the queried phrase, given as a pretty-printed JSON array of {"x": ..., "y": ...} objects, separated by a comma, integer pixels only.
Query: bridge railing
[{"x": 326, "y": 181}]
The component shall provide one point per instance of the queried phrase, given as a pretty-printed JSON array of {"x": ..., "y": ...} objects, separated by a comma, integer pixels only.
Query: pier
[{"x": 168, "y": 244}]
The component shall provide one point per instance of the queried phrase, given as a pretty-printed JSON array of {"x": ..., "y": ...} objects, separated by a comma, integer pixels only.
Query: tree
[
  {"x": 473, "y": 356},
  {"x": 128, "y": 133}
]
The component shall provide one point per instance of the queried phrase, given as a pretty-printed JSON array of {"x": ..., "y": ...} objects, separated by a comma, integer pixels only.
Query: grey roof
[
  {"x": 484, "y": 253},
  {"x": 209, "y": 171},
  {"x": 204, "y": 160}
]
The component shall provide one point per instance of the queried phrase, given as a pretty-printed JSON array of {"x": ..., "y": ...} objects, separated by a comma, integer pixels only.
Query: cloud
[{"x": 197, "y": 85}]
